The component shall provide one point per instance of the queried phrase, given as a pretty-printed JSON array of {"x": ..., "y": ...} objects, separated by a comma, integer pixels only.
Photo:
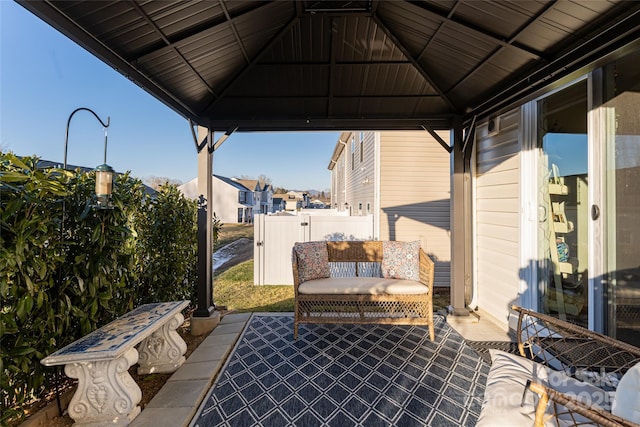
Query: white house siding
[
  {"x": 225, "y": 202},
  {"x": 415, "y": 183},
  {"x": 497, "y": 216},
  {"x": 225, "y": 199}
]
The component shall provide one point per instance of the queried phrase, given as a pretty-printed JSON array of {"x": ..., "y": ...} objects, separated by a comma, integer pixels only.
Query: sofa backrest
[
  {"x": 363, "y": 259},
  {"x": 355, "y": 251}
]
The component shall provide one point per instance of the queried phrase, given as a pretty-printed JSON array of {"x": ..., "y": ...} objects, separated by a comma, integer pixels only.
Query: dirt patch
[{"x": 232, "y": 254}]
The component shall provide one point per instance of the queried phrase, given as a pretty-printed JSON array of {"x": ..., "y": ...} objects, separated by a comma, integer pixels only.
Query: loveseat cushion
[
  {"x": 362, "y": 286},
  {"x": 401, "y": 260},
  {"x": 313, "y": 260},
  {"x": 504, "y": 403}
]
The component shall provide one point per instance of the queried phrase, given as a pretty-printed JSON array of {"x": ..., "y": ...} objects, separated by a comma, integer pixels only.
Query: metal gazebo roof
[{"x": 335, "y": 65}]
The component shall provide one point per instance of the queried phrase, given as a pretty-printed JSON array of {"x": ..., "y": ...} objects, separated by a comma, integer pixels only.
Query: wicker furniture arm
[
  {"x": 577, "y": 352},
  {"x": 402, "y": 309}
]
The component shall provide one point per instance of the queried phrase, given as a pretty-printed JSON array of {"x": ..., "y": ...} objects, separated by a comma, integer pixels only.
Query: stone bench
[
  {"x": 107, "y": 394},
  {"x": 363, "y": 282}
]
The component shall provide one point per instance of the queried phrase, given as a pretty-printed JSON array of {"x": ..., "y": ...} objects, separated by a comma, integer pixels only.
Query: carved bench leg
[
  {"x": 106, "y": 394},
  {"x": 163, "y": 351}
]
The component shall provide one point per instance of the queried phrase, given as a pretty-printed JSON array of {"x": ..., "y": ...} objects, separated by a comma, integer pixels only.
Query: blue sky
[{"x": 44, "y": 76}]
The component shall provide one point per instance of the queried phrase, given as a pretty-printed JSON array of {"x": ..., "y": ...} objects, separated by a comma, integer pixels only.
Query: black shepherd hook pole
[
  {"x": 66, "y": 139},
  {"x": 62, "y": 221}
]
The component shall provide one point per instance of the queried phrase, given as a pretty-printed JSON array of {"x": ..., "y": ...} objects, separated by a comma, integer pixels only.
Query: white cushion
[
  {"x": 506, "y": 383},
  {"x": 627, "y": 398},
  {"x": 362, "y": 286}
]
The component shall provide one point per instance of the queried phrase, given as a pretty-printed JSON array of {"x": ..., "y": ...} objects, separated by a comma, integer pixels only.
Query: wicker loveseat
[
  {"x": 565, "y": 375},
  {"x": 353, "y": 282}
]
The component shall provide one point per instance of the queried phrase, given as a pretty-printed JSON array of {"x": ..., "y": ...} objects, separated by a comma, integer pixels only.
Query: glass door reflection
[{"x": 563, "y": 200}]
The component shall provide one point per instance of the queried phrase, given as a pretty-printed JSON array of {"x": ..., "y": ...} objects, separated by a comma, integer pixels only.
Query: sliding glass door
[
  {"x": 621, "y": 112},
  {"x": 588, "y": 197},
  {"x": 563, "y": 214}
]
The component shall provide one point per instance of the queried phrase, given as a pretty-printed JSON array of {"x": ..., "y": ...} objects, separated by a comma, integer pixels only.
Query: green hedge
[{"x": 56, "y": 288}]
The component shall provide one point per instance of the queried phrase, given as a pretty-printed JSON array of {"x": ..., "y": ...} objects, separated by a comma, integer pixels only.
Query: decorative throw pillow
[
  {"x": 400, "y": 260},
  {"x": 342, "y": 269},
  {"x": 626, "y": 403},
  {"x": 369, "y": 269},
  {"x": 313, "y": 260}
]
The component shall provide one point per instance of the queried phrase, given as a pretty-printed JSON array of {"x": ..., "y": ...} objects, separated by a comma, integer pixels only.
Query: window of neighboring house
[
  {"x": 368, "y": 208},
  {"x": 360, "y": 208},
  {"x": 240, "y": 210},
  {"x": 242, "y": 197},
  {"x": 361, "y": 150}
]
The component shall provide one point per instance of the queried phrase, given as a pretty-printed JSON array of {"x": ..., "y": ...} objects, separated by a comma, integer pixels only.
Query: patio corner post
[
  {"x": 460, "y": 224},
  {"x": 205, "y": 318}
]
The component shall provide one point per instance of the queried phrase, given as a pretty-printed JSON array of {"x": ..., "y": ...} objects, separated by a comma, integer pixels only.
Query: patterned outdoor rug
[{"x": 346, "y": 375}]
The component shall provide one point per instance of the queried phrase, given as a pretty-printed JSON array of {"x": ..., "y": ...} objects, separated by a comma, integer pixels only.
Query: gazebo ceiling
[{"x": 336, "y": 65}]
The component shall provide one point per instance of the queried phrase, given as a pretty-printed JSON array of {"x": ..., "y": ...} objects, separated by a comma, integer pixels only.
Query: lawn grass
[{"x": 234, "y": 289}]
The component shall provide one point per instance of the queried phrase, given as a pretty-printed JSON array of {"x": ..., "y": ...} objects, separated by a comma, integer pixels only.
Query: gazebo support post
[
  {"x": 205, "y": 318},
  {"x": 460, "y": 224}
]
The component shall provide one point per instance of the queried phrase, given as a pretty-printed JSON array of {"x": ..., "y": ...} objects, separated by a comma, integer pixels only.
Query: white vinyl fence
[{"x": 274, "y": 237}]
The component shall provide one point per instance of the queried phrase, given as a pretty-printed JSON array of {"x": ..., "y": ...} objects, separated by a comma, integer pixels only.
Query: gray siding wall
[
  {"x": 497, "y": 215},
  {"x": 339, "y": 175},
  {"x": 360, "y": 170},
  {"x": 415, "y": 183}
]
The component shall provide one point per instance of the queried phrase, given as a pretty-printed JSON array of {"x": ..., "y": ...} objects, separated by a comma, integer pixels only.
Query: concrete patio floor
[
  {"x": 479, "y": 326},
  {"x": 176, "y": 403}
]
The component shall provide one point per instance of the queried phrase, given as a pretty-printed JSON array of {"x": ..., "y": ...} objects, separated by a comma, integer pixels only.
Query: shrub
[
  {"x": 56, "y": 287},
  {"x": 165, "y": 247}
]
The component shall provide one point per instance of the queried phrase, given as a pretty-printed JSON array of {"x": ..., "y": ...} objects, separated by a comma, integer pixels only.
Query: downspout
[
  {"x": 469, "y": 149},
  {"x": 344, "y": 177},
  {"x": 463, "y": 286},
  {"x": 377, "y": 181},
  {"x": 460, "y": 223}
]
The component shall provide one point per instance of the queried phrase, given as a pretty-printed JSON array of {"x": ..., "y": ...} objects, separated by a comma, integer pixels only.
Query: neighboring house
[
  {"x": 402, "y": 178},
  {"x": 294, "y": 200},
  {"x": 278, "y": 204},
  {"x": 232, "y": 201},
  {"x": 254, "y": 186},
  {"x": 266, "y": 199},
  {"x": 317, "y": 204},
  {"x": 262, "y": 195}
]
